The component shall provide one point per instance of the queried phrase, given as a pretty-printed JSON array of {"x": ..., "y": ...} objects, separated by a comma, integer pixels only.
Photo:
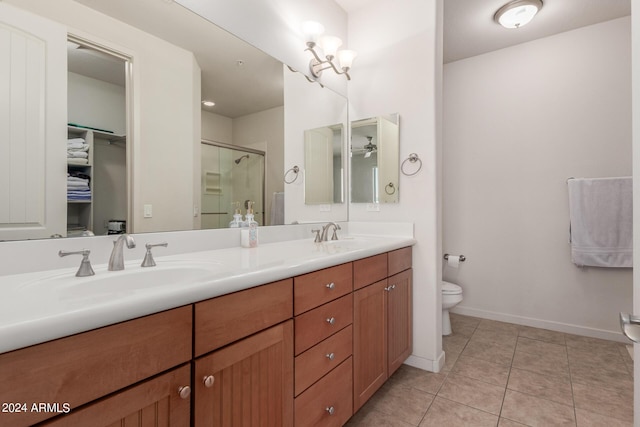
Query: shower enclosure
[{"x": 230, "y": 174}]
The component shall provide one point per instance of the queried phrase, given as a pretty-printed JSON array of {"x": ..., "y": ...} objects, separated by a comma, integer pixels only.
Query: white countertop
[{"x": 41, "y": 306}]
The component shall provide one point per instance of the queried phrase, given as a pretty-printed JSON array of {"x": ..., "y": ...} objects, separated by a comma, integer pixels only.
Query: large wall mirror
[
  {"x": 375, "y": 148},
  {"x": 323, "y": 171},
  {"x": 170, "y": 174}
]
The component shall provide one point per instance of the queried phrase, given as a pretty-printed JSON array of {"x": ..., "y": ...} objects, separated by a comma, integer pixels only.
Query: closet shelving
[{"x": 80, "y": 212}]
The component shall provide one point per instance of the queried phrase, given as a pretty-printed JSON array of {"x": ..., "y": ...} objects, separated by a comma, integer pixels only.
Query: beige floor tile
[
  {"x": 373, "y": 418},
  {"x": 590, "y": 419},
  {"x": 541, "y": 348},
  {"x": 542, "y": 335},
  {"x": 459, "y": 319},
  {"x": 474, "y": 393},
  {"x": 454, "y": 343},
  {"x": 556, "y": 388},
  {"x": 449, "y": 362},
  {"x": 602, "y": 376},
  {"x": 447, "y": 413},
  {"x": 404, "y": 403},
  {"x": 408, "y": 376},
  {"x": 604, "y": 401},
  {"x": 546, "y": 364},
  {"x": 624, "y": 352},
  {"x": 610, "y": 357},
  {"x": 496, "y": 336},
  {"x": 588, "y": 343},
  {"x": 489, "y": 351},
  {"x": 534, "y": 411},
  {"x": 494, "y": 325},
  {"x": 504, "y": 422},
  {"x": 482, "y": 370}
]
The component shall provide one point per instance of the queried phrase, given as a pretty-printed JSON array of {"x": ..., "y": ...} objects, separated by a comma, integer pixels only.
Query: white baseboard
[
  {"x": 426, "y": 364},
  {"x": 544, "y": 324}
]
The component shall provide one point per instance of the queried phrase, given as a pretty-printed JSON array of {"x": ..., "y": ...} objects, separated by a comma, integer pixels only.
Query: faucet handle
[
  {"x": 148, "y": 260},
  {"x": 335, "y": 230},
  {"x": 318, "y": 238},
  {"x": 85, "y": 265}
]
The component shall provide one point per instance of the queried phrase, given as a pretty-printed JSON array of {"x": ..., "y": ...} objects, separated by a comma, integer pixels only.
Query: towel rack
[{"x": 295, "y": 170}]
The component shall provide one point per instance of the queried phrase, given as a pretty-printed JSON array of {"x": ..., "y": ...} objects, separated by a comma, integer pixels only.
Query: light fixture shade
[
  {"x": 330, "y": 45},
  {"x": 346, "y": 58},
  {"x": 517, "y": 13},
  {"x": 312, "y": 31}
]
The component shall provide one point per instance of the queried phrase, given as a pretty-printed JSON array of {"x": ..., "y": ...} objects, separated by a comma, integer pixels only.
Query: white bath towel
[
  {"x": 78, "y": 147},
  {"x": 75, "y": 142},
  {"x": 277, "y": 208},
  {"x": 600, "y": 211},
  {"x": 77, "y": 154},
  {"x": 78, "y": 161}
]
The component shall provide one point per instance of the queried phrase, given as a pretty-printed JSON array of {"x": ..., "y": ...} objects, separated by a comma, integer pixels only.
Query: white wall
[
  {"x": 96, "y": 103},
  {"x": 217, "y": 128},
  {"x": 397, "y": 71},
  {"x": 166, "y": 80},
  {"x": 517, "y": 123}
]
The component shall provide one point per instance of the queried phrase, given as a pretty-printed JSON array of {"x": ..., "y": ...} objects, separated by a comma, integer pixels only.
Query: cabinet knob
[
  {"x": 331, "y": 356},
  {"x": 330, "y": 285},
  {"x": 388, "y": 288},
  {"x": 208, "y": 381},
  {"x": 331, "y": 320},
  {"x": 184, "y": 391},
  {"x": 331, "y": 410}
]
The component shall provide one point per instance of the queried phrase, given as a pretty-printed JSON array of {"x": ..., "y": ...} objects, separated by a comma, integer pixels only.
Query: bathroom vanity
[{"x": 308, "y": 349}]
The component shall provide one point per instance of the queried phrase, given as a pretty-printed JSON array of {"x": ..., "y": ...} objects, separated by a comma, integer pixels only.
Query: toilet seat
[{"x": 451, "y": 289}]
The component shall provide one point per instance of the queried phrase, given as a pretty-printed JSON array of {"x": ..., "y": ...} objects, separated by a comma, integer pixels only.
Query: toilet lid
[{"x": 450, "y": 288}]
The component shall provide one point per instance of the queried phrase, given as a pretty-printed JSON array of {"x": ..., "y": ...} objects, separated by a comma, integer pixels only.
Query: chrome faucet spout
[
  {"x": 325, "y": 231},
  {"x": 116, "y": 261}
]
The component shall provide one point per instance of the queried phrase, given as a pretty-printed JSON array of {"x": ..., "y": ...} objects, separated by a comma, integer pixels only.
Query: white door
[
  {"x": 388, "y": 158},
  {"x": 318, "y": 166},
  {"x": 33, "y": 125}
]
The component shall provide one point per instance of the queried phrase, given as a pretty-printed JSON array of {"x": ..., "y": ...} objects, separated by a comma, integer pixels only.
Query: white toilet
[{"x": 451, "y": 296}]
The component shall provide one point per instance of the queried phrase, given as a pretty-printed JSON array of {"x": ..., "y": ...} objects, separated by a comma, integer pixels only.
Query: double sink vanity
[{"x": 289, "y": 333}]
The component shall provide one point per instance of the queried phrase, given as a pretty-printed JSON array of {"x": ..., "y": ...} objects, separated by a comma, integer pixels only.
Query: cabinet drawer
[
  {"x": 322, "y": 322},
  {"x": 314, "y": 289},
  {"x": 329, "y": 401},
  {"x": 323, "y": 357},
  {"x": 223, "y": 320},
  {"x": 399, "y": 260},
  {"x": 84, "y": 367},
  {"x": 369, "y": 270}
]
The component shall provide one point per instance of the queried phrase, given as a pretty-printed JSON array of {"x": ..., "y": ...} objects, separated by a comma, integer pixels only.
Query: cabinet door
[
  {"x": 369, "y": 341},
  {"x": 247, "y": 383},
  {"x": 399, "y": 319},
  {"x": 156, "y": 402}
]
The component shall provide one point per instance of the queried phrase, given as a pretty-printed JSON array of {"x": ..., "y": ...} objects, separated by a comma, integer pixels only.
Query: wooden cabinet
[
  {"x": 161, "y": 401},
  {"x": 84, "y": 367},
  {"x": 249, "y": 382},
  {"x": 382, "y": 325}
]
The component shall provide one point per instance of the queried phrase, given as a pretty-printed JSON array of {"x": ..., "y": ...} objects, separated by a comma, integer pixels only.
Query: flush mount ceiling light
[
  {"x": 329, "y": 45},
  {"x": 208, "y": 103},
  {"x": 517, "y": 13}
]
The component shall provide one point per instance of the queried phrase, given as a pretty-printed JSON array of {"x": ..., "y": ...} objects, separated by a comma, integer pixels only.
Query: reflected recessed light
[
  {"x": 208, "y": 103},
  {"x": 517, "y": 13}
]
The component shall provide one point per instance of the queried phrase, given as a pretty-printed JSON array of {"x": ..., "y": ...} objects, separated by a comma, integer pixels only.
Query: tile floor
[{"x": 501, "y": 374}]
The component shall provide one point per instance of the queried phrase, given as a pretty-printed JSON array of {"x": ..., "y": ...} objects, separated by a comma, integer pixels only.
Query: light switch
[{"x": 148, "y": 211}]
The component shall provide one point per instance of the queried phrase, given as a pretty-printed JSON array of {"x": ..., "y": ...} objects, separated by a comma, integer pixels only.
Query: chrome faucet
[
  {"x": 116, "y": 262},
  {"x": 325, "y": 231}
]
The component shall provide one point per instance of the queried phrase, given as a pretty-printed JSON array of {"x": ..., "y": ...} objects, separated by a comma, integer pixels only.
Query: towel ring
[
  {"x": 413, "y": 157},
  {"x": 390, "y": 186},
  {"x": 295, "y": 170}
]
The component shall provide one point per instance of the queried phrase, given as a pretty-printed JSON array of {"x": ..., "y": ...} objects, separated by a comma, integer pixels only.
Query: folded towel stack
[
  {"x": 77, "y": 151},
  {"x": 78, "y": 186}
]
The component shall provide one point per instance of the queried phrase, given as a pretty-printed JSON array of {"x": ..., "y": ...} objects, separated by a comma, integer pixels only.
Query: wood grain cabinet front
[
  {"x": 249, "y": 382},
  {"x": 314, "y": 289},
  {"x": 81, "y": 368},
  {"x": 322, "y": 322}
]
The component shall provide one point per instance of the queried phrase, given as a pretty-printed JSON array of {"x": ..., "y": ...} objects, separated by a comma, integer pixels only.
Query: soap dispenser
[
  {"x": 237, "y": 216},
  {"x": 249, "y": 232}
]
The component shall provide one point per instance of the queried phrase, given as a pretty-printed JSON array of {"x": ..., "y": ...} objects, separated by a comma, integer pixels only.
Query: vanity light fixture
[
  {"x": 329, "y": 44},
  {"x": 517, "y": 13}
]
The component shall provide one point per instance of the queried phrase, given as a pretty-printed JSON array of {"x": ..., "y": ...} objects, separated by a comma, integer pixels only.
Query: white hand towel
[
  {"x": 77, "y": 154},
  {"x": 78, "y": 161},
  {"x": 600, "y": 211}
]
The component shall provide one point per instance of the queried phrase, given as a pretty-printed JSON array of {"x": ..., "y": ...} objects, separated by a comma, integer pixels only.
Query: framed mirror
[
  {"x": 375, "y": 148},
  {"x": 172, "y": 72},
  {"x": 323, "y": 172}
]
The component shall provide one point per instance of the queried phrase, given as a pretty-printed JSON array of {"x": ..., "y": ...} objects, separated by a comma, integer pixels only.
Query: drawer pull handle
[
  {"x": 184, "y": 392},
  {"x": 330, "y": 285},
  {"x": 208, "y": 381},
  {"x": 331, "y": 410},
  {"x": 331, "y": 320},
  {"x": 388, "y": 288},
  {"x": 331, "y": 356}
]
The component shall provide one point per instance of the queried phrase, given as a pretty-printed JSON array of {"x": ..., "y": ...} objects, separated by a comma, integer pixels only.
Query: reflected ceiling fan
[{"x": 368, "y": 148}]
